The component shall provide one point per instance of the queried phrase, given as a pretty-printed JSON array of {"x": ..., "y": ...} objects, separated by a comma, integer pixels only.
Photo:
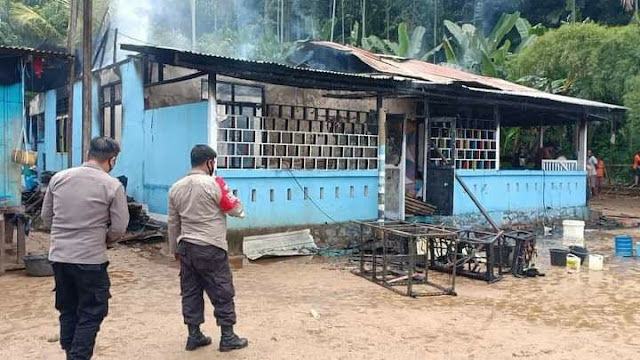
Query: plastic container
[
  {"x": 38, "y": 265},
  {"x": 573, "y": 232},
  {"x": 573, "y": 264},
  {"x": 558, "y": 257},
  {"x": 596, "y": 262},
  {"x": 580, "y": 252},
  {"x": 24, "y": 157},
  {"x": 623, "y": 245}
]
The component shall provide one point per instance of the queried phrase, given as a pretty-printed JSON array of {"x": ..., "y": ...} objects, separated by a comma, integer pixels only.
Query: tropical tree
[
  {"x": 468, "y": 48},
  {"x": 407, "y": 46}
]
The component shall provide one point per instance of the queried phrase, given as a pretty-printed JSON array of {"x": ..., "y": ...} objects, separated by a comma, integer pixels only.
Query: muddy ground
[{"x": 591, "y": 315}]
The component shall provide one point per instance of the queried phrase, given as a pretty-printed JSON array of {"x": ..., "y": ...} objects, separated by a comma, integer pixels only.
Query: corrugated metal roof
[
  {"x": 20, "y": 50},
  {"x": 438, "y": 74},
  {"x": 552, "y": 97},
  {"x": 148, "y": 49},
  {"x": 422, "y": 70}
]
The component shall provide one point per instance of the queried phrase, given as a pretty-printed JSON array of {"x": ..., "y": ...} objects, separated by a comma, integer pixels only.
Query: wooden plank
[
  {"x": 20, "y": 240},
  {"x": 2, "y": 240}
]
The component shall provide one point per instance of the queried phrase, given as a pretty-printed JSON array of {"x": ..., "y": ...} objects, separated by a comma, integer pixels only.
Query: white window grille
[
  {"x": 559, "y": 165},
  {"x": 297, "y": 138}
]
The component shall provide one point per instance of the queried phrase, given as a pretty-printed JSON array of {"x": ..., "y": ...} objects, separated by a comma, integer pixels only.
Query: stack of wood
[{"x": 418, "y": 207}]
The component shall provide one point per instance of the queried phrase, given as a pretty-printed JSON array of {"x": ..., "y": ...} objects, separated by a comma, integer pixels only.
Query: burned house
[
  {"x": 341, "y": 135},
  {"x": 451, "y": 127},
  {"x": 23, "y": 71}
]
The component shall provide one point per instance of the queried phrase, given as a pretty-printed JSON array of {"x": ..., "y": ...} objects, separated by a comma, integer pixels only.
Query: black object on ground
[
  {"x": 559, "y": 257},
  {"x": 580, "y": 252}
]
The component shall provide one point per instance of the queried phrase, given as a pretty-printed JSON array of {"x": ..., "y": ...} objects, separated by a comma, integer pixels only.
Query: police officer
[
  {"x": 85, "y": 208},
  {"x": 198, "y": 208}
]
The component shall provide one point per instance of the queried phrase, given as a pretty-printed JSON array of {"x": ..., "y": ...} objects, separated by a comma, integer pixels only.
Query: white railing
[{"x": 559, "y": 165}]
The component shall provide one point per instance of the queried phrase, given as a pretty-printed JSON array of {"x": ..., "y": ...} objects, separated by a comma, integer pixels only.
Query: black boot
[
  {"x": 196, "y": 338},
  {"x": 230, "y": 341}
]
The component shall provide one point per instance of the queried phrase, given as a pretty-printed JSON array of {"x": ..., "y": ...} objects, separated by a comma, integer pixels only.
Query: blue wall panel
[
  {"x": 131, "y": 160},
  {"x": 10, "y": 139},
  {"x": 505, "y": 191},
  {"x": 169, "y": 135},
  {"x": 54, "y": 161},
  {"x": 275, "y": 198}
]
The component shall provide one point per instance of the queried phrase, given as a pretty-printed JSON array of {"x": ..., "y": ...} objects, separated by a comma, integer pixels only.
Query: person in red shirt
[
  {"x": 601, "y": 174},
  {"x": 636, "y": 168}
]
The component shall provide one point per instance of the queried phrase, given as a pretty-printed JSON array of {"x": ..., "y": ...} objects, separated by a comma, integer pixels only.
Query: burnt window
[
  {"x": 62, "y": 125},
  {"x": 111, "y": 111}
]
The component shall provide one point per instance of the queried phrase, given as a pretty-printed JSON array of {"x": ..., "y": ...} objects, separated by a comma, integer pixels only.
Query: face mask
[{"x": 112, "y": 164}]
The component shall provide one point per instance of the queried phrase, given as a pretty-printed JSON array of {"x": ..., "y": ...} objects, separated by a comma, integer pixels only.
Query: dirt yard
[{"x": 591, "y": 315}]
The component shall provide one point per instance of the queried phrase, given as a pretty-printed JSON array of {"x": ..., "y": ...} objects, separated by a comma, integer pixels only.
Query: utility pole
[
  {"x": 333, "y": 19},
  {"x": 71, "y": 29},
  {"x": 193, "y": 25},
  {"x": 435, "y": 27},
  {"x": 87, "y": 19},
  {"x": 364, "y": 18}
]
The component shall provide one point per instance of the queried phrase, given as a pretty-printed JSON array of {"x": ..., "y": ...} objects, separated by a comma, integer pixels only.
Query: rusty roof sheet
[
  {"x": 23, "y": 50},
  {"x": 423, "y": 70}
]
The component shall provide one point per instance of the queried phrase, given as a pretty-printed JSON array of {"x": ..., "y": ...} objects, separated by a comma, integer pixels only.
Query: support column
[
  {"x": 496, "y": 116},
  {"x": 541, "y": 137},
  {"x": 212, "y": 112},
  {"x": 382, "y": 140},
  {"x": 582, "y": 145},
  {"x": 427, "y": 149},
  {"x": 87, "y": 21}
]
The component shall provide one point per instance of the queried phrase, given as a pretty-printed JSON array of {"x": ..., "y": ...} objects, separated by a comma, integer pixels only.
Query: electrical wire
[{"x": 310, "y": 198}]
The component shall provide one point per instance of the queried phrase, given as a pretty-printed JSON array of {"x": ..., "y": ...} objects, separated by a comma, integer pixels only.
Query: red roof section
[{"x": 422, "y": 70}]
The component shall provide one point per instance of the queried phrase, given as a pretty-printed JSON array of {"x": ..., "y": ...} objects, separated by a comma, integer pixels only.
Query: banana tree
[
  {"x": 407, "y": 46},
  {"x": 468, "y": 48}
]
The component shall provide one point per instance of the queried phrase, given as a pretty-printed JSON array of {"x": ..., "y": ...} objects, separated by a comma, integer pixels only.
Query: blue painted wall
[
  {"x": 506, "y": 191},
  {"x": 168, "y": 135},
  {"x": 265, "y": 196},
  {"x": 131, "y": 160},
  {"x": 10, "y": 138},
  {"x": 54, "y": 161}
]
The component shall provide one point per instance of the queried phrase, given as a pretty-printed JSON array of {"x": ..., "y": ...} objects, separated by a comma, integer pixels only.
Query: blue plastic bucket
[{"x": 623, "y": 245}]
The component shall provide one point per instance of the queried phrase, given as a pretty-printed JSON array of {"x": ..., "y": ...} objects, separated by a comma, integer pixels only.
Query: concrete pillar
[
  {"x": 212, "y": 102},
  {"x": 496, "y": 116},
  {"x": 582, "y": 144},
  {"x": 382, "y": 140}
]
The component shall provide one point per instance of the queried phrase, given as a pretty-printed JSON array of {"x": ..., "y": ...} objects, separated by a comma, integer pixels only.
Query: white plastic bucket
[
  {"x": 573, "y": 264},
  {"x": 573, "y": 232},
  {"x": 596, "y": 262}
]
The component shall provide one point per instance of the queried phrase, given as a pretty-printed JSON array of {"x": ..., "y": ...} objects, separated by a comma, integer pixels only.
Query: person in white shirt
[{"x": 592, "y": 172}]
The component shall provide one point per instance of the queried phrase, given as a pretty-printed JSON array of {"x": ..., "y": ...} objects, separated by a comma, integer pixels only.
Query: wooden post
[
  {"x": 382, "y": 140},
  {"x": 72, "y": 69},
  {"x": 2, "y": 240},
  {"x": 20, "y": 240},
  {"x": 427, "y": 149},
  {"x": 86, "y": 76}
]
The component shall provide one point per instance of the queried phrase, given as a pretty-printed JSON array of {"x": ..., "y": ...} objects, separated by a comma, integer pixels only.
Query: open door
[{"x": 395, "y": 166}]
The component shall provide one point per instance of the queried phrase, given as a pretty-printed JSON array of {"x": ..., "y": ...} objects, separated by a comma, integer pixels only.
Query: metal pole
[
  {"x": 364, "y": 18},
  {"x": 475, "y": 201},
  {"x": 333, "y": 19},
  {"x": 193, "y": 25},
  {"x": 435, "y": 27},
  {"x": 86, "y": 76}
]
